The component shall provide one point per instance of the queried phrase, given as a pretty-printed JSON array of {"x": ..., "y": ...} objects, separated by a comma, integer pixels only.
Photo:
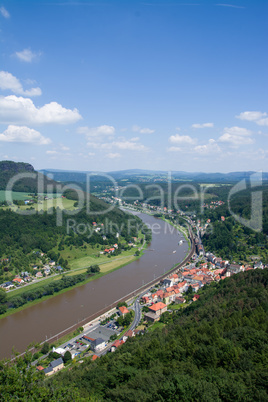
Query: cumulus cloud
[
  {"x": 141, "y": 130},
  {"x": 256, "y": 116},
  {"x": 211, "y": 148},
  {"x": 96, "y": 131},
  {"x": 251, "y": 116},
  {"x": 18, "y": 109},
  {"x": 4, "y": 12},
  {"x": 236, "y": 136},
  {"x": 204, "y": 125},
  {"x": 27, "y": 55},
  {"x": 181, "y": 139},
  {"x": 9, "y": 82},
  {"x": 113, "y": 155},
  {"x": 23, "y": 134}
]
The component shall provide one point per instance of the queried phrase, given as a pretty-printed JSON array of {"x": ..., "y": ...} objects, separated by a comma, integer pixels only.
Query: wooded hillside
[{"x": 214, "y": 350}]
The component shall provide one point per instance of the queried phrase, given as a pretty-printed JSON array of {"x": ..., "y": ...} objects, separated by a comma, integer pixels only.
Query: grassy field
[
  {"x": 156, "y": 325},
  {"x": 61, "y": 203},
  {"x": 178, "y": 306},
  {"x": 21, "y": 196},
  {"x": 15, "y": 196},
  {"x": 84, "y": 258},
  {"x": 33, "y": 286}
]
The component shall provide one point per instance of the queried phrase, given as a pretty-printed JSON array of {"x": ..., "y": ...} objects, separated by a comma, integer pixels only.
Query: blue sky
[{"x": 111, "y": 85}]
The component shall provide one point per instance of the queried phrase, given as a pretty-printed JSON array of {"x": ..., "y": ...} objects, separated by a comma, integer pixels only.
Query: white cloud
[
  {"x": 64, "y": 148},
  {"x": 113, "y": 155},
  {"x": 251, "y": 116},
  {"x": 23, "y": 134},
  {"x": 211, "y": 148},
  {"x": 263, "y": 122},
  {"x": 204, "y": 125},
  {"x": 256, "y": 116},
  {"x": 181, "y": 139},
  {"x": 121, "y": 144},
  {"x": 51, "y": 152},
  {"x": 244, "y": 132},
  {"x": 4, "y": 12},
  {"x": 27, "y": 55},
  {"x": 96, "y": 131},
  {"x": 18, "y": 109},
  {"x": 229, "y": 5},
  {"x": 236, "y": 139},
  {"x": 128, "y": 145},
  {"x": 236, "y": 136},
  {"x": 174, "y": 149},
  {"x": 91, "y": 154},
  {"x": 141, "y": 130},
  {"x": 9, "y": 82},
  {"x": 146, "y": 131}
]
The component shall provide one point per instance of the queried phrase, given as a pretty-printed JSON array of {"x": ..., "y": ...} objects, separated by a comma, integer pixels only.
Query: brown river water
[{"x": 50, "y": 317}]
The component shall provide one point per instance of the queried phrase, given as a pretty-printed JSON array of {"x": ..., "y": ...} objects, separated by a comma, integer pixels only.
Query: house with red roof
[
  {"x": 175, "y": 278},
  {"x": 160, "y": 293},
  {"x": 123, "y": 310},
  {"x": 169, "y": 289},
  {"x": 145, "y": 299},
  {"x": 155, "y": 311},
  {"x": 196, "y": 297},
  {"x": 128, "y": 334},
  {"x": 18, "y": 280},
  {"x": 116, "y": 345}
]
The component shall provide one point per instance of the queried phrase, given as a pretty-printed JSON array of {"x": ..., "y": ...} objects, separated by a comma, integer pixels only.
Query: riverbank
[
  {"x": 65, "y": 312},
  {"x": 106, "y": 268}
]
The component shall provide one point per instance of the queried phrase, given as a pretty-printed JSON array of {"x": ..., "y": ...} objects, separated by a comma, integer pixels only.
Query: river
[{"x": 50, "y": 317}]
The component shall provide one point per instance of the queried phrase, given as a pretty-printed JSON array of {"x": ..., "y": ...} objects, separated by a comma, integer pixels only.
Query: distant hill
[
  {"x": 140, "y": 174},
  {"x": 9, "y": 170}
]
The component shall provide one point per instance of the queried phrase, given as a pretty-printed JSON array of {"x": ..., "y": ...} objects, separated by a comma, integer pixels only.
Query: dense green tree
[{"x": 67, "y": 358}]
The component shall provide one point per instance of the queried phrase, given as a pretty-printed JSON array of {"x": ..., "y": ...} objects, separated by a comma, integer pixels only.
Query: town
[{"x": 139, "y": 314}]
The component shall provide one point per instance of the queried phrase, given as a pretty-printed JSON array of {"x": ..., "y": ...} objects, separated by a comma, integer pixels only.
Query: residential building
[{"x": 54, "y": 366}]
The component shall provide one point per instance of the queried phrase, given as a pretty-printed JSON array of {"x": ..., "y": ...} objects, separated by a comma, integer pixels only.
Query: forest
[
  {"x": 213, "y": 350},
  {"x": 21, "y": 236}
]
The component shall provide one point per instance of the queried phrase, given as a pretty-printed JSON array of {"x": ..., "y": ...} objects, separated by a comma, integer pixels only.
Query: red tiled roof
[
  {"x": 94, "y": 357},
  {"x": 198, "y": 278},
  {"x": 129, "y": 333},
  {"x": 158, "y": 306},
  {"x": 117, "y": 343},
  {"x": 123, "y": 310}
]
